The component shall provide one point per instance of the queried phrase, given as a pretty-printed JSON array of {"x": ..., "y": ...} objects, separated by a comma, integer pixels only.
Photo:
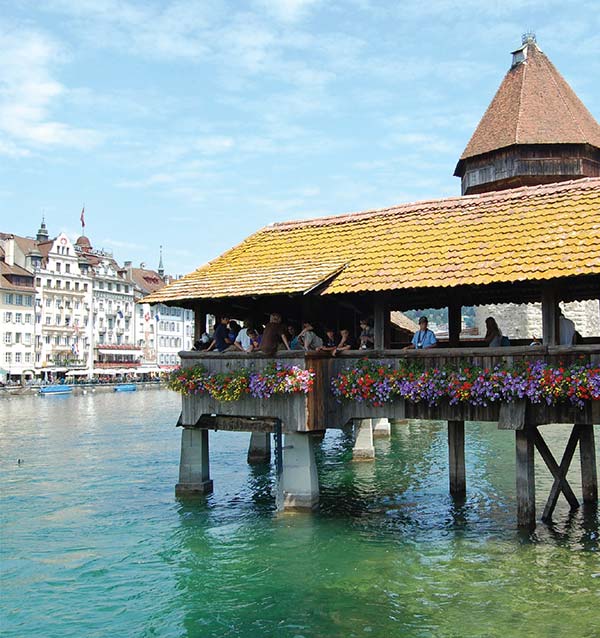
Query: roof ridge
[
  {"x": 444, "y": 202},
  {"x": 520, "y": 109}
]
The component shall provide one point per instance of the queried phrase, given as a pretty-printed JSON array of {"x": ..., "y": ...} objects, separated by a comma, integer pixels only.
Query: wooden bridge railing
[{"x": 320, "y": 410}]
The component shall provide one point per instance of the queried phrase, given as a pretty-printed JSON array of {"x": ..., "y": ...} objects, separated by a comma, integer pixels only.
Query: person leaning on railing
[
  {"x": 424, "y": 338},
  {"x": 273, "y": 335}
]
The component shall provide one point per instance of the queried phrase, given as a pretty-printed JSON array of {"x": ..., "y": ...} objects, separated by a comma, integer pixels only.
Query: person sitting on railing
[
  {"x": 254, "y": 340},
  {"x": 234, "y": 329},
  {"x": 221, "y": 340},
  {"x": 273, "y": 335},
  {"x": 292, "y": 335},
  {"x": 424, "y": 338},
  {"x": 566, "y": 330},
  {"x": 366, "y": 337},
  {"x": 242, "y": 340},
  {"x": 493, "y": 335},
  {"x": 308, "y": 338},
  {"x": 345, "y": 342},
  {"x": 330, "y": 342}
]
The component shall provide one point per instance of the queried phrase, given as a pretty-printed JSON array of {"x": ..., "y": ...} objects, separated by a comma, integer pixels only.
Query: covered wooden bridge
[{"x": 526, "y": 245}]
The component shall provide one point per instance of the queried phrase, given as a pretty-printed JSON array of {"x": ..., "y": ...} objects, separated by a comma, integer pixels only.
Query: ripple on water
[{"x": 95, "y": 544}]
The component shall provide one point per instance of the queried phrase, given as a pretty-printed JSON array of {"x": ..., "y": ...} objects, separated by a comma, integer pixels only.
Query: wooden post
[
  {"x": 525, "y": 471},
  {"x": 589, "y": 474},
  {"x": 550, "y": 316},
  {"x": 456, "y": 457},
  {"x": 381, "y": 324},
  {"x": 199, "y": 323},
  {"x": 454, "y": 324}
]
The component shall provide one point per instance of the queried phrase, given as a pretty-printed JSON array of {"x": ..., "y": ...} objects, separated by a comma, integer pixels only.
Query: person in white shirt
[
  {"x": 243, "y": 341},
  {"x": 566, "y": 330}
]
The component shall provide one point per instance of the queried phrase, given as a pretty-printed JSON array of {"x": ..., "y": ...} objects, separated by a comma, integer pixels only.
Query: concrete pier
[
  {"x": 259, "y": 450},
  {"x": 194, "y": 471},
  {"x": 300, "y": 482},
  {"x": 363, "y": 449},
  {"x": 381, "y": 428}
]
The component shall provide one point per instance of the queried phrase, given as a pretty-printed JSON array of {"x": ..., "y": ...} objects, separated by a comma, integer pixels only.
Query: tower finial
[
  {"x": 528, "y": 37},
  {"x": 42, "y": 233},
  {"x": 161, "y": 268}
]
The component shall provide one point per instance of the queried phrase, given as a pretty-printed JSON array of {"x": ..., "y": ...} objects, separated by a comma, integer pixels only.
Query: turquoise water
[{"x": 94, "y": 544}]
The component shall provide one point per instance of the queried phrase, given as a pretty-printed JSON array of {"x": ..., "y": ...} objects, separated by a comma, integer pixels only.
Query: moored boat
[
  {"x": 125, "y": 387},
  {"x": 56, "y": 389}
]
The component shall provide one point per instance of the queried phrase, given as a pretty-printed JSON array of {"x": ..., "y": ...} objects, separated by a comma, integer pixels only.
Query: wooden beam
[
  {"x": 587, "y": 454},
  {"x": 456, "y": 457},
  {"x": 550, "y": 315},
  {"x": 199, "y": 323},
  {"x": 381, "y": 323},
  {"x": 559, "y": 472},
  {"x": 525, "y": 475},
  {"x": 454, "y": 324}
]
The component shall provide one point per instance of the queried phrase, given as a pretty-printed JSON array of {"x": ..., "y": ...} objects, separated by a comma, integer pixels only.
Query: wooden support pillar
[
  {"x": 381, "y": 324},
  {"x": 525, "y": 471},
  {"x": 456, "y": 457},
  {"x": 550, "y": 316},
  {"x": 199, "y": 323},
  {"x": 589, "y": 473},
  {"x": 454, "y": 324}
]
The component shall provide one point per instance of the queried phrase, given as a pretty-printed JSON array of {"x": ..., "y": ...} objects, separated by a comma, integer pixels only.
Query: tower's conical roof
[{"x": 534, "y": 105}]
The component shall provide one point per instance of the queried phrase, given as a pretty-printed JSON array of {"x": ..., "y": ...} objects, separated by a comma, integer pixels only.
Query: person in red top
[{"x": 273, "y": 334}]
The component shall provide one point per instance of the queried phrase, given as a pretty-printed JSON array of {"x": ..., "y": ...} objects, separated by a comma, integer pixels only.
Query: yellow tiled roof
[{"x": 534, "y": 233}]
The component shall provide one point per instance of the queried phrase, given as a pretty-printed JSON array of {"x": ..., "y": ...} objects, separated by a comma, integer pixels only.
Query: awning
[
  {"x": 75, "y": 373},
  {"x": 105, "y": 371},
  {"x": 121, "y": 351}
]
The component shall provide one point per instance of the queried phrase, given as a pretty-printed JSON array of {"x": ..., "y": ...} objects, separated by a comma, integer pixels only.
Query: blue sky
[{"x": 191, "y": 124}]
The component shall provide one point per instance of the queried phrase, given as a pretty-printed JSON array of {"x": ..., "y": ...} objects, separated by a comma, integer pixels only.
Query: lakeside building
[
  {"x": 68, "y": 309},
  {"x": 161, "y": 331}
]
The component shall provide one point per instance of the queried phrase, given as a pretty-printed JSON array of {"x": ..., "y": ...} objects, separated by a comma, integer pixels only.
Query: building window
[
  {"x": 17, "y": 357},
  {"x": 8, "y": 317},
  {"x": 38, "y": 281},
  {"x": 68, "y": 285},
  {"x": 67, "y": 267},
  {"x": 76, "y": 285},
  {"x": 48, "y": 320},
  {"x": 28, "y": 318},
  {"x": 8, "y": 338},
  {"x": 28, "y": 299},
  {"x": 47, "y": 340},
  {"x": 8, "y": 357},
  {"x": 58, "y": 266},
  {"x": 19, "y": 300},
  {"x": 85, "y": 287},
  {"x": 28, "y": 357},
  {"x": 18, "y": 317}
]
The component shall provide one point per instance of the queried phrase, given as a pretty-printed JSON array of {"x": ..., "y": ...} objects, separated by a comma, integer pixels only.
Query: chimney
[{"x": 9, "y": 251}]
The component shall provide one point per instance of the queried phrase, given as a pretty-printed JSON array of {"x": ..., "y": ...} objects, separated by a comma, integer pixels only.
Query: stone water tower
[{"x": 535, "y": 131}]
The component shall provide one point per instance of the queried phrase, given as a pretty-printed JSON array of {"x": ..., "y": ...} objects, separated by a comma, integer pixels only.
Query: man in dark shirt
[
  {"x": 221, "y": 340},
  {"x": 273, "y": 334}
]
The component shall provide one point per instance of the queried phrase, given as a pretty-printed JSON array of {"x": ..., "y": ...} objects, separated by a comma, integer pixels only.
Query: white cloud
[
  {"x": 29, "y": 94},
  {"x": 288, "y": 10}
]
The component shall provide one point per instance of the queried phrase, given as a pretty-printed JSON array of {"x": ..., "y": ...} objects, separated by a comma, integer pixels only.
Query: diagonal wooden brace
[{"x": 559, "y": 472}]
